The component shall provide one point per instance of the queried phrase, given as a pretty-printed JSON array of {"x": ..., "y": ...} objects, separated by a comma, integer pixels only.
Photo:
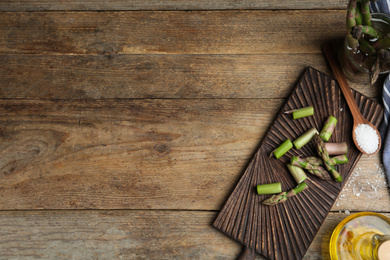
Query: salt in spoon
[{"x": 358, "y": 119}]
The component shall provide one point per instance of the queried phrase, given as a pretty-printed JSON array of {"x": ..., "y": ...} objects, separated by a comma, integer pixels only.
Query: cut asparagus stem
[
  {"x": 336, "y": 148},
  {"x": 340, "y": 159},
  {"x": 328, "y": 128},
  {"x": 314, "y": 169},
  {"x": 283, "y": 196},
  {"x": 269, "y": 188},
  {"x": 301, "y": 112},
  {"x": 305, "y": 138},
  {"x": 282, "y": 149},
  {"x": 297, "y": 172},
  {"x": 325, "y": 158}
]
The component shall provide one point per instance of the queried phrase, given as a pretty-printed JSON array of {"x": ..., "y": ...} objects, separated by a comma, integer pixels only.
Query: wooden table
[{"x": 125, "y": 125}]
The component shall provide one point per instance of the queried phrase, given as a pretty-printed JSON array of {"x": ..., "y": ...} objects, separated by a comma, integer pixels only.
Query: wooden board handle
[{"x": 247, "y": 254}]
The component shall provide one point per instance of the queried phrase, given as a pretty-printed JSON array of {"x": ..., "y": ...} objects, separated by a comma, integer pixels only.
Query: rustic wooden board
[
  {"x": 120, "y": 5},
  {"x": 167, "y": 76},
  {"x": 285, "y": 231},
  {"x": 199, "y": 32}
]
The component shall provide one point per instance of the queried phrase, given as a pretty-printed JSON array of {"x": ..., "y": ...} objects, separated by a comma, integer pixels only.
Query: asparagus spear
[
  {"x": 283, "y": 196},
  {"x": 323, "y": 153},
  {"x": 327, "y": 129},
  {"x": 359, "y": 30},
  {"x": 314, "y": 169},
  {"x": 358, "y": 14},
  {"x": 339, "y": 159},
  {"x": 351, "y": 22},
  {"x": 365, "y": 11}
]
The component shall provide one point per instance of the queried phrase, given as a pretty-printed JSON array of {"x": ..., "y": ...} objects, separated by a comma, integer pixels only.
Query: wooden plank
[
  {"x": 199, "y": 32},
  {"x": 136, "y": 154},
  {"x": 112, "y": 235},
  {"x": 118, "y": 5},
  {"x": 116, "y": 235},
  {"x": 166, "y": 76}
]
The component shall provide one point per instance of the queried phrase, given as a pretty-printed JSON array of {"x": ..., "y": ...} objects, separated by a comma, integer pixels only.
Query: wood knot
[{"x": 161, "y": 149}]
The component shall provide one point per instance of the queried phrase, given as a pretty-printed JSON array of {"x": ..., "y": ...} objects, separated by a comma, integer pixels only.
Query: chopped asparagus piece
[
  {"x": 336, "y": 148},
  {"x": 305, "y": 138},
  {"x": 301, "y": 112},
  {"x": 328, "y": 128},
  {"x": 269, "y": 188},
  {"x": 339, "y": 159},
  {"x": 283, "y": 196},
  {"x": 297, "y": 172},
  {"x": 282, "y": 149}
]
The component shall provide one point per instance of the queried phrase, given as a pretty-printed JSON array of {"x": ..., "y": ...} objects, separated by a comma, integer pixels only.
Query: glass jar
[
  {"x": 361, "y": 236},
  {"x": 354, "y": 63}
]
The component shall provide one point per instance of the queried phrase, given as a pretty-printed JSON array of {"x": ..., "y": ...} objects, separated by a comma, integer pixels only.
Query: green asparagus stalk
[
  {"x": 301, "y": 112},
  {"x": 367, "y": 48},
  {"x": 339, "y": 159},
  {"x": 358, "y": 14},
  {"x": 323, "y": 153},
  {"x": 314, "y": 169},
  {"x": 269, "y": 188},
  {"x": 328, "y": 128},
  {"x": 314, "y": 160},
  {"x": 282, "y": 149},
  {"x": 375, "y": 59},
  {"x": 298, "y": 174},
  {"x": 305, "y": 138},
  {"x": 351, "y": 22},
  {"x": 283, "y": 196},
  {"x": 359, "y": 30},
  {"x": 365, "y": 10}
]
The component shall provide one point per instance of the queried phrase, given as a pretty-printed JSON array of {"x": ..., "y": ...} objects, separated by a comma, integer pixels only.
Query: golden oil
[{"x": 361, "y": 236}]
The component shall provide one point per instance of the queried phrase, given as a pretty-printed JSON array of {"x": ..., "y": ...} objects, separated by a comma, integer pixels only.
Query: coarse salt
[{"x": 367, "y": 138}]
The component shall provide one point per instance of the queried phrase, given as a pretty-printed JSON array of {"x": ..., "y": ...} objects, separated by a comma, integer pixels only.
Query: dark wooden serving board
[{"x": 285, "y": 231}]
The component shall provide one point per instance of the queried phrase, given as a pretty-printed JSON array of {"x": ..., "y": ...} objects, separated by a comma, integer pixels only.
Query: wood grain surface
[
  {"x": 119, "y": 5},
  {"x": 126, "y": 117},
  {"x": 198, "y": 32},
  {"x": 92, "y": 234},
  {"x": 167, "y": 76}
]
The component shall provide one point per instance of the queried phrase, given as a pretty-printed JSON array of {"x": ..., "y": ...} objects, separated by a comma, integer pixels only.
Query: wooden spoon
[{"x": 357, "y": 116}]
